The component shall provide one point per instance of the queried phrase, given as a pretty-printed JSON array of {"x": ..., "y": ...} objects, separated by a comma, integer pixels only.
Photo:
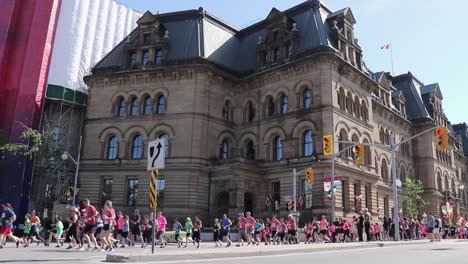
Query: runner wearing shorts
[
  {"x": 161, "y": 224},
  {"x": 90, "y": 214},
  {"x": 275, "y": 224},
  {"x": 72, "y": 227},
  {"x": 177, "y": 227},
  {"x": 6, "y": 228},
  {"x": 226, "y": 223},
  {"x": 188, "y": 230},
  {"x": 242, "y": 232},
  {"x": 136, "y": 229}
]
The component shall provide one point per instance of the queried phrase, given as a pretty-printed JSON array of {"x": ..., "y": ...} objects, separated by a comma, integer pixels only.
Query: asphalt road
[{"x": 450, "y": 252}]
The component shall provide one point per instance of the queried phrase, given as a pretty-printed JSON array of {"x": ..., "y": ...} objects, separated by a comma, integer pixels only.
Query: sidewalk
[{"x": 208, "y": 251}]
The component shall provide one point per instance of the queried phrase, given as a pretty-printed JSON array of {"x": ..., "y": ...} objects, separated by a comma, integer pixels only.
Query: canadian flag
[
  {"x": 268, "y": 200},
  {"x": 386, "y": 46},
  {"x": 358, "y": 197}
]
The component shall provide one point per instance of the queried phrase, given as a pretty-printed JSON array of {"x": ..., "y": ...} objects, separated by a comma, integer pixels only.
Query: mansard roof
[
  {"x": 218, "y": 42},
  {"x": 410, "y": 86}
]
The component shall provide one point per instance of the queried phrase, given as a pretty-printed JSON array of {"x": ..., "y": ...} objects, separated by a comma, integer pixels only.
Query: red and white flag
[
  {"x": 386, "y": 46},
  {"x": 358, "y": 197},
  {"x": 301, "y": 201},
  {"x": 268, "y": 200}
]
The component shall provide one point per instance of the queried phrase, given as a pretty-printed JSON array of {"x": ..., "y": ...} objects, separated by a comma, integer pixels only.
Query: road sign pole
[{"x": 154, "y": 202}]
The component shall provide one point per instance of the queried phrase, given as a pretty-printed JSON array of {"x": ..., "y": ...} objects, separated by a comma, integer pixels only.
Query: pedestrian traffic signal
[
  {"x": 290, "y": 205},
  {"x": 328, "y": 145},
  {"x": 310, "y": 176},
  {"x": 358, "y": 154},
  {"x": 442, "y": 141}
]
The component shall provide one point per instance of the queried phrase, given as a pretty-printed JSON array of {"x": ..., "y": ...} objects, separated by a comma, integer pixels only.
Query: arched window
[
  {"x": 147, "y": 106},
  {"x": 250, "y": 112},
  {"x": 223, "y": 150},
  {"x": 384, "y": 171},
  {"x": 402, "y": 176},
  {"x": 307, "y": 99},
  {"x": 368, "y": 154},
  {"x": 270, "y": 105},
  {"x": 341, "y": 99},
  {"x": 343, "y": 137},
  {"x": 121, "y": 107},
  {"x": 250, "y": 150},
  {"x": 364, "y": 111},
  {"x": 134, "y": 107},
  {"x": 112, "y": 147},
  {"x": 161, "y": 105},
  {"x": 387, "y": 137},
  {"x": 167, "y": 148},
  {"x": 382, "y": 135},
  {"x": 354, "y": 138},
  {"x": 137, "y": 147},
  {"x": 439, "y": 182},
  {"x": 277, "y": 148},
  {"x": 356, "y": 107},
  {"x": 158, "y": 58},
  {"x": 284, "y": 104},
  {"x": 349, "y": 103},
  {"x": 227, "y": 111},
  {"x": 308, "y": 143}
]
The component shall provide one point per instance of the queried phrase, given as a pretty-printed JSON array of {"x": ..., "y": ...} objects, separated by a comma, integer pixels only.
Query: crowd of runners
[{"x": 87, "y": 228}]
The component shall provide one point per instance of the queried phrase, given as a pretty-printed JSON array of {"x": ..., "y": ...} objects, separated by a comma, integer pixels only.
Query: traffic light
[
  {"x": 358, "y": 152},
  {"x": 310, "y": 176},
  {"x": 442, "y": 141},
  {"x": 290, "y": 205},
  {"x": 328, "y": 145}
]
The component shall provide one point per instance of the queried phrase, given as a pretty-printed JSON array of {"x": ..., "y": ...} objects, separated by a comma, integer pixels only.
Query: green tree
[
  {"x": 31, "y": 142},
  {"x": 413, "y": 200}
]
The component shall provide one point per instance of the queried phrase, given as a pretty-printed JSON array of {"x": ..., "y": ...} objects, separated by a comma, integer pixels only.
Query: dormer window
[
  {"x": 289, "y": 51},
  {"x": 276, "y": 57},
  {"x": 275, "y": 35},
  {"x": 132, "y": 58},
  {"x": 159, "y": 57},
  {"x": 146, "y": 38},
  {"x": 145, "y": 58},
  {"x": 280, "y": 42}
]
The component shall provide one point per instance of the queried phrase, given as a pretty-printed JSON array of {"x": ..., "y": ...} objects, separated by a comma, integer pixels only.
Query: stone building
[{"x": 241, "y": 109}]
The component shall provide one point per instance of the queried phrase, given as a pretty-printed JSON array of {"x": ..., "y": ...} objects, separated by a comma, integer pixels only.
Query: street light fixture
[{"x": 65, "y": 157}]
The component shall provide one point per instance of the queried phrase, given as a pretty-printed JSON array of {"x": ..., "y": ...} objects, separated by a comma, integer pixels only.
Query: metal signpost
[{"x": 156, "y": 161}]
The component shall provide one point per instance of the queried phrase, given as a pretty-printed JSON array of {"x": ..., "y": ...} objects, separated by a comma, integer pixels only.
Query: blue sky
[{"x": 429, "y": 37}]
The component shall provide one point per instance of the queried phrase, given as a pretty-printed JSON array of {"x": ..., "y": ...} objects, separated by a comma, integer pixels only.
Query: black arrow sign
[{"x": 157, "y": 154}]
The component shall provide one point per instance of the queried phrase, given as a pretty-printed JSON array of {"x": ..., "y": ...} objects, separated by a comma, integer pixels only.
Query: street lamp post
[{"x": 67, "y": 155}]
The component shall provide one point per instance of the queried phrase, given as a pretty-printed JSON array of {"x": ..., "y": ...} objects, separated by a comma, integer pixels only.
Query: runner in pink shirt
[
  {"x": 249, "y": 228},
  {"x": 282, "y": 231},
  {"x": 292, "y": 230},
  {"x": 275, "y": 223},
  {"x": 241, "y": 226},
  {"x": 161, "y": 223}
]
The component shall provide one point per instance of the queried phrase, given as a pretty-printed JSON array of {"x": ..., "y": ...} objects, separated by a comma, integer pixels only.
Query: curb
[{"x": 129, "y": 258}]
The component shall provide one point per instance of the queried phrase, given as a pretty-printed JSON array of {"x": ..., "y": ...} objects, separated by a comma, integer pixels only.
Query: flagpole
[{"x": 391, "y": 58}]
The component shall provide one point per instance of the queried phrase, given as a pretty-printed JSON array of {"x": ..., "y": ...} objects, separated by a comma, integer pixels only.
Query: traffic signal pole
[{"x": 333, "y": 205}]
